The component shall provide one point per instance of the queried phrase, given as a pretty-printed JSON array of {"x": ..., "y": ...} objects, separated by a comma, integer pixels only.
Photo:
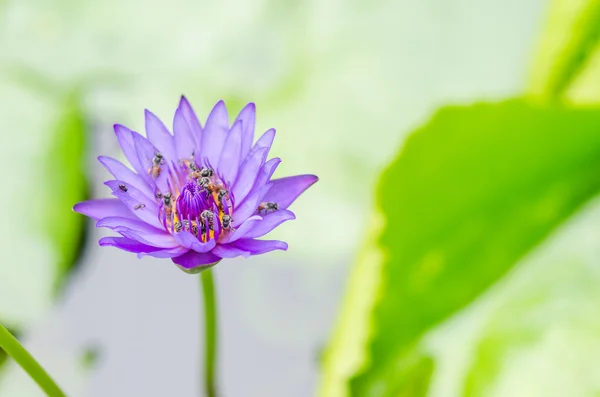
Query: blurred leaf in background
[{"x": 470, "y": 194}]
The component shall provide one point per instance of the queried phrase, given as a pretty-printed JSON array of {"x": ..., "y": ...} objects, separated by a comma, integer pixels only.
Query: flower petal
[
  {"x": 196, "y": 261},
  {"x": 269, "y": 222},
  {"x": 160, "y": 136},
  {"x": 285, "y": 191},
  {"x": 246, "y": 226},
  {"x": 146, "y": 152},
  {"x": 248, "y": 118},
  {"x": 139, "y": 231},
  {"x": 230, "y": 159},
  {"x": 142, "y": 206},
  {"x": 245, "y": 180},
  {"x": 121, "y": 172},
  {"x": 264, "y": 175},
  {"x": 257, "y": 247},
  {"x": 102, "y": 208},
  {"x": 228, "y": 251},
  {"x": 125, "y": 138},
  {"x": 165, "y": 253},
  {"x": 126, "y": 244},
  {"x": 190, "y": 118},
  {"x": 214, "y": 133},
  {"x": 185, "y": 144},
  {"x": 249, "y": 206},
  {"x": 265, "y": 141},
  {"x": 188, "y": 240}
]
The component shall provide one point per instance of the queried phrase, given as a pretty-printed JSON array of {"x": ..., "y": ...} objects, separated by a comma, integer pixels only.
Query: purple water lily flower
[{"x": 198, "y": 195}]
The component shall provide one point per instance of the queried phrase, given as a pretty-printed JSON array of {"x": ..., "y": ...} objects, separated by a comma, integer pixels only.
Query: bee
[
  {"x": 204, "y": 182},
  {"x": 139, "y": 206},
  {"x": 178, "y": 226},
  {"x": 159, "y": 195},
  {"x": 222, "y": 193},
  {"x": 207, "y": 218},
  {"x": 122, "y": 187},
  {"x": 268, "y": 207},
  {"x": 167, "y": 199},
  {"x": 156, "y": 163},
  {"x": 226, "y": 222},
  {"x": 206, "y": 172}
]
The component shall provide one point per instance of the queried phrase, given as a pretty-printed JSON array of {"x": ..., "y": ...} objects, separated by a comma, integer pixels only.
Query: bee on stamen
[
  {"x": 139, "y": 206},
  {"x": 206, "y": 172},
  {"x": 178, "y": 226},
  {"x": 122, "y": 187},
  {"x": 203, "y": 182},
  {"x": 226, "y": 222},
  {"x": 222, "y": 193},
  {"x": 266, "y": 207},
  {"x": 167, "y": 199},
  {"x": 207, "y": 218},
  {"x": 156, "y": 163}
]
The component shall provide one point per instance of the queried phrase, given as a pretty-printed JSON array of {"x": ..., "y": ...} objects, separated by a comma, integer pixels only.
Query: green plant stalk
[
  {"x": 210, "y": 333},
  {"x": 14, "y": 349}
]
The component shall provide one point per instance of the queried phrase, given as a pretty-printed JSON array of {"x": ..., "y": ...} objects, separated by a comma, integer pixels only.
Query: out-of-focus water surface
[{"x": 342, "y": 82}]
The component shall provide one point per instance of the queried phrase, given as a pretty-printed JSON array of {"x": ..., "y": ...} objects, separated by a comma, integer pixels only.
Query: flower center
[{"x": 200, "y": 204}]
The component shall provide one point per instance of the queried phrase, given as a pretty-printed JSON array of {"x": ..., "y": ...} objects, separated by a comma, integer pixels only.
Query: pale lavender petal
[
  {"x": 121, "y": 172},
  {"x": 230, "y": 160},
  {"x": 265, "y": 141},
  {"x": 146, "y": 152},
  {"x": 248, "y": 118},
  {"x": 264, "y": 175},
  {"x": 139, "y": 231},
  {"x": 126, "y": 244},
  {"x": 141, "y": 206},
  {"x": 239, "y": 232},
  {"x": 249, "y": 206},
  {"x": 190, "y": 117},
  {"x": 102, "y": 208},
  {"x": 284, "y": 191},
  {"x": 194, "y": 259},
  {"x": 270, "y": 221},
  {"x": 125, "y": 138},
  {"x": 245, "y": 180},
  {"x": 185, "y": 144},
  {"x": 160, "y": 136},
  {"x": 165, "y": 253},
  {"x": 228, "y": 251},
  {"x": 188, "y": 240},
  {"x": 214, "y": 133},
  {"x": 257, "y": 247}
]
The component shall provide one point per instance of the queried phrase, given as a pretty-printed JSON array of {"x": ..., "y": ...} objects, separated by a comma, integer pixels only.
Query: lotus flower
[{"x": 198, "y": 195}]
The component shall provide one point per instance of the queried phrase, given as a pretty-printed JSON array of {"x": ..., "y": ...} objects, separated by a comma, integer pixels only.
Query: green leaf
[
  {"x": 568, "y": 42},
  {"x": 470, "y": 193}
]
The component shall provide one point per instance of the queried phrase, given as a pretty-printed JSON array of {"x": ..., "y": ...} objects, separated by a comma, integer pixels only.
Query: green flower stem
[
  {"x": 210, "y": 334},
  {"x": 14, "y": 349}
]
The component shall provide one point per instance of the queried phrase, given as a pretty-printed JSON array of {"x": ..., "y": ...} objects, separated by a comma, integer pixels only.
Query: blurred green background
[{"x": 451, "y": 247}]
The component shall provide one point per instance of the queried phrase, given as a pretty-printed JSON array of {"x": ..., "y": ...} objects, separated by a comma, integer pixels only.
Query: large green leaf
[{"x": 471, "y": 193}]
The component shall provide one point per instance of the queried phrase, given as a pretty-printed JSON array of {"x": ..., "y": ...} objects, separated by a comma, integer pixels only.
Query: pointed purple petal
[
  {"x": 139, "y": 231},
  {"x": 165, "y": 253},
  {"x": 257, "y": 247},
  {"x": 160, "y": 136},
  {"x": 263, "y": 177},
  {"x": 126, "y": 244},
  {"x": 188, "y": 240},
  {"x": 190, "y": 118},
  {"x": 239, "y": 232},
  {"x": 193, "y": 260},
  {"x": 102, "y": 208},
  {"x": 248, "y": 118},
  {"x": 284, "y": 191},
  {"x": 121, "y": 172},
  {"x": 249, "y": 206},
  {"x": 248, "y": 173},
  {"x": 185, "y": 144},
  {"x": 214, "y": 133},
  {"x": 146, "y": 152},
  {"x": 270, "y": 221},
  {"x": 228, "y": 251},
  {"x": 265, "y": 141},
  {"x": 138, "y": 203},
  {"x": 230, "y": 160},
  {"x": 125, "y": 138}
]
